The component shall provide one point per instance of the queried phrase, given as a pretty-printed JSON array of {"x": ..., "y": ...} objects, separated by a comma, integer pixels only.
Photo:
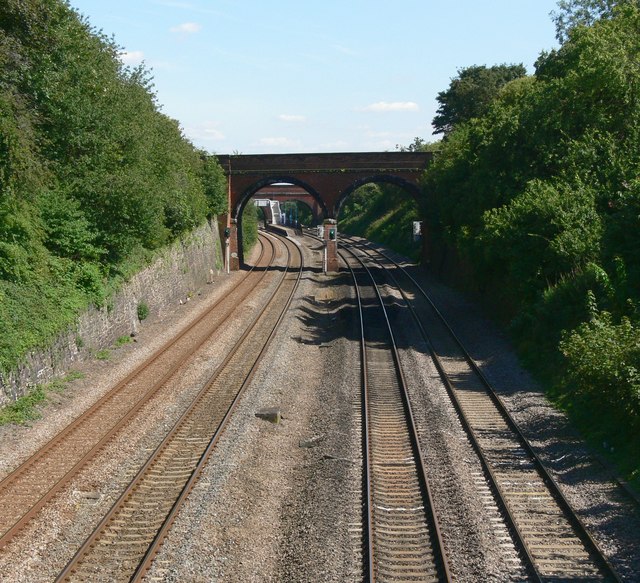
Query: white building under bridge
[{"x": 271, "y": 208}]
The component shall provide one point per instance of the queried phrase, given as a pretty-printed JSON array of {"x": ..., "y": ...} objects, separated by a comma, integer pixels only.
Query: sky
[{"x": 278, "y": 76}]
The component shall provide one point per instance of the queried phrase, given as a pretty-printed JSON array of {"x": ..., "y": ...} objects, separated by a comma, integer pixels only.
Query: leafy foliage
[
  {"x": 573, "y": 13},
  {"x": 93, "y": 177},
  {"x": 249, "y": 227},
  {"x": 540, "y": 198},
  {"x": 419, "y": 145},
  {"x": 604, "y": 364},
  {"x": 215, "y": 185},
  {"x": 470, "y": 94},
  {"x": 143, "y": 310}
]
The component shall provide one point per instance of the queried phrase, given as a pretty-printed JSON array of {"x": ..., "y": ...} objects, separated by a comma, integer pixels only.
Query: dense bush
[
  {"x": 604, "y": 365},
  {"x": 93, "y": 177},
  {"x": 540, "y": 197}
]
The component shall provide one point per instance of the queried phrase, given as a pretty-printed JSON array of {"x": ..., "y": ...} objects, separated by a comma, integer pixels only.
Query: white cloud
[
  {"x": 392, "y": 106},
  {"x": 337, "y": 146},
  {"x": 278, "y": 144},
  {"x": 207, "y": 131},
  {"x": 132, "y": 57},
  {"x": 292, "y": 118},
  {"x": 187, "y": 28},
  {"x": 380, "y": 145}
]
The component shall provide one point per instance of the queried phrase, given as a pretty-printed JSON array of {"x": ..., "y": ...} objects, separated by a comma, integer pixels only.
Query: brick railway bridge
[{"x": 328, "y": 178}]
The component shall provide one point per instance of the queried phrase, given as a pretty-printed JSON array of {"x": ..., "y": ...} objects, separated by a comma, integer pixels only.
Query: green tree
[
  {"x": 470, "y": 94},
  {"x": 249, "y": 227},
  {"x": 384, "y": 213},
  {"x": 93, "y": 176},
  {"x": 215, "y": 184},
  {"x": 538, "y": 200},
  {"x": 573, "y": 13},
  {"x": 604, "y": 367}
]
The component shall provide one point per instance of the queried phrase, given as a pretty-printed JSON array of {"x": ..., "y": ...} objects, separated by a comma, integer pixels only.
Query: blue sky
[{"x": 270, "y": 76}]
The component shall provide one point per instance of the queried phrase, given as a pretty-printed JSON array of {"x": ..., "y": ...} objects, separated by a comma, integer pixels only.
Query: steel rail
[
  {"x": 578, "y": 525},
  {"x": 436, "y": 543},
  {"x": 9, "y": 483},
  {"x": 364, "y": 379},
  {"x": 493, "y": 481},
  {"x": 154, "y": 548},
  {"x": 93, "y": 541}
]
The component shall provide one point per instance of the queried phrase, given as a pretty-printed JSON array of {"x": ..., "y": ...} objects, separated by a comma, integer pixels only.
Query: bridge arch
[
  {"x": 316, "y": 219},
  {"x": 253, "y": 189},
  {"x": 290, "y": 193}
]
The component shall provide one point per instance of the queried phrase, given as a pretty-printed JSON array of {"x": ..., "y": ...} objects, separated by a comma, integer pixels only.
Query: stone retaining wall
[{"x": 180, "y": 271}]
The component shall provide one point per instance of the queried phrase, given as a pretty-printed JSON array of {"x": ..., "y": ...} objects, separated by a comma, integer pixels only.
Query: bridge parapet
[{"x": 388, "y": 162}]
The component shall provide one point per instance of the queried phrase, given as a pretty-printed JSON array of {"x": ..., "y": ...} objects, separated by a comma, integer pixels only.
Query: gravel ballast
[{"x": 282, "y": 501}]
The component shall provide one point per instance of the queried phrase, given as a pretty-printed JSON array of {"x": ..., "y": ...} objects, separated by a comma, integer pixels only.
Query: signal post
[
  {"x": 331, "y": 246},
  {"x": 232, "y": 260}
]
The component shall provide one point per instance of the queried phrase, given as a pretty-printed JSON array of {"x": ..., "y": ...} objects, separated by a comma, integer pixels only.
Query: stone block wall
[{"x": 179, "y": 272}]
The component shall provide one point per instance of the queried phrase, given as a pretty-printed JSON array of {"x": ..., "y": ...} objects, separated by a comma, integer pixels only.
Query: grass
[
  {"x": 103, "y": 354},
  {"x": 392, "y": 228},
  {"x": 25, "y": 409},
  {"x": 143, "y": 310},
  {"x": 73, "y": 375},
  {"x": 123, "y": 340}
]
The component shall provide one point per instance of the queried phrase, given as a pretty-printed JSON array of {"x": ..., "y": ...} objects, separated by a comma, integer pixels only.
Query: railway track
[
  {"x": 403, "y": 538},
  {"x": 123, "y": 545},
  {"x": 31, "y": 486},
  {"x": 554, "y": 543}
]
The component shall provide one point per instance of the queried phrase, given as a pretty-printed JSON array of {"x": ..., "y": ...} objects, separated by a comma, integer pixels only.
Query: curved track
[
  {"x": 124, "y": 543},
  {"x": 554, "y": 542},
  {"x": 404, "y": 542}
]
